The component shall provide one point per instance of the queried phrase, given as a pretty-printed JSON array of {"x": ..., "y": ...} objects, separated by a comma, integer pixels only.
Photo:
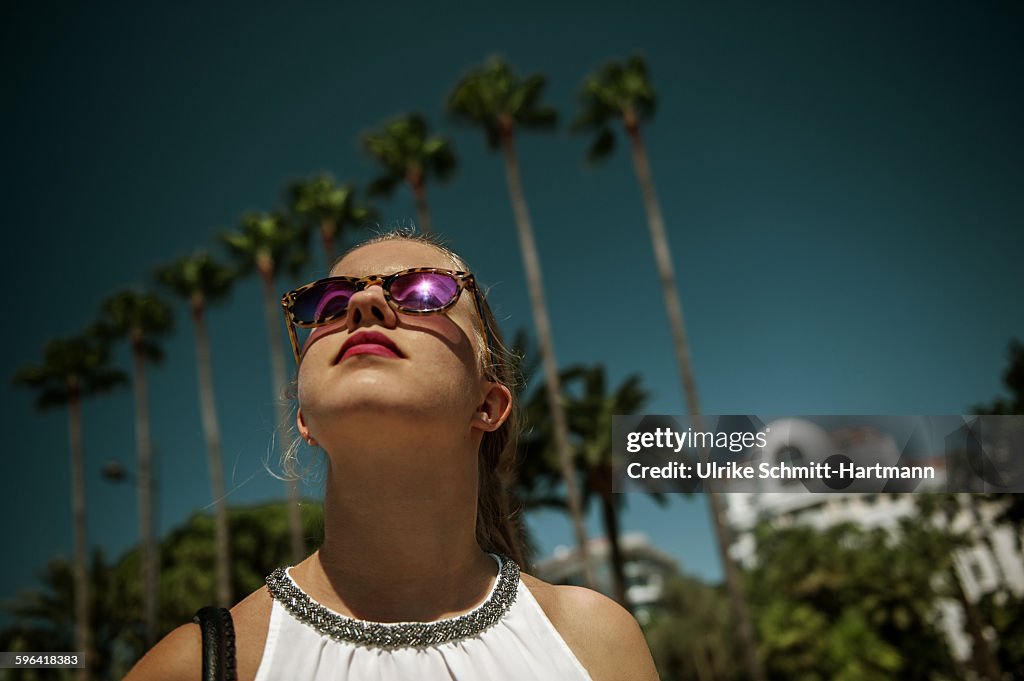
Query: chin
[{"x": 362, "y": 407}]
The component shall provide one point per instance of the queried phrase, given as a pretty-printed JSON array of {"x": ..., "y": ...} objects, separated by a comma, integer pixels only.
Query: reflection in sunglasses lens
[
  {"x": 424, "y": 290},
  {"x": 326, "y": 300}
]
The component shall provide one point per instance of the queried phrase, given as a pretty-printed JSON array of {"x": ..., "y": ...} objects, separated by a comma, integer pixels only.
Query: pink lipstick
[{"x": 369, "y": 343}]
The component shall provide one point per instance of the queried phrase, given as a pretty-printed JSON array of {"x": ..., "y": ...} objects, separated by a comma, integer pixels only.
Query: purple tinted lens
[
  {"x": 423, "y": 291},
  {"x": 326, "y": 299}
]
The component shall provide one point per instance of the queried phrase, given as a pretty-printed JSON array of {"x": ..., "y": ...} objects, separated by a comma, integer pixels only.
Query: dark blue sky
[{"x": 841, "y": 185}]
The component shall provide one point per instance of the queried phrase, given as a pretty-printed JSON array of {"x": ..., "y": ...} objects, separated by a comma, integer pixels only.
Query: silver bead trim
[{"x": 397, "y": 634}]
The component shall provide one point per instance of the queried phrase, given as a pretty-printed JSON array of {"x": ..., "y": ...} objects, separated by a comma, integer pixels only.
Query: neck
[{"x": 400, "y": 534}]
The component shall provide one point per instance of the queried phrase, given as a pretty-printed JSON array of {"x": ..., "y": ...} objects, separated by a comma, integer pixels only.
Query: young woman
[{"x": 403, "y": 384}]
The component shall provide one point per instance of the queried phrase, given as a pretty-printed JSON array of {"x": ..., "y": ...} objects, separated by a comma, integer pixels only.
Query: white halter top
[{"x": 505, "y": 638}]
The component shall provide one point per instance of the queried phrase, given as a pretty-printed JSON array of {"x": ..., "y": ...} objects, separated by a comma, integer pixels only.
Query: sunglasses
[{"x": 419, "y": 290}]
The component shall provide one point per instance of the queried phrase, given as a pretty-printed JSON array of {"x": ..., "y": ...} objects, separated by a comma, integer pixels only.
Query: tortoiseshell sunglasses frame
[{"x": 465, "y": 280}]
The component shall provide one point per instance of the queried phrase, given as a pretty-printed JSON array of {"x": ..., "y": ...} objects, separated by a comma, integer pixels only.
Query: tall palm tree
[
  {"x": 73, "y": 369},
  {"x": 623, "y": 93},
  {"x": 590, "y": 410},
  {"x": 269, "y": 243},
  {"x": 408, "y": 154},
  {"x": 494, "y": 98},
  {"x": 200, "y": 279},
  {"x": 331, "y": 207},
  {"x": 141, "y": 318}
]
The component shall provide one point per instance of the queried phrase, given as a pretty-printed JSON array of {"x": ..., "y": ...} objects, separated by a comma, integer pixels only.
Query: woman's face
[{"x": 347, "y": 379}]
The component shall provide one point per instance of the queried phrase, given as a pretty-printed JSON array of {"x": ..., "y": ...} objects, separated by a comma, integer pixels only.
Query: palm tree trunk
[
  {"x": 211, "y": 429},
  {"x": 272, "y": 308},
  {"x": 674, "y": 310},
  {"x": 83, "y": 619},
  {"x": 531, "y": 262},
  {"x": 422, "y": 210},
  {"x": 733, "y": 583},
  {"x": 611, "y": 529},
  {"x": 328, "y": 232},
  {"x": 145, "y": 487},
  {"x": 666, "y": 275}
]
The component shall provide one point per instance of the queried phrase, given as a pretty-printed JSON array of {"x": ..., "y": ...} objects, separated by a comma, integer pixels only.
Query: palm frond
[
  {"x": 383, "y": 185},
  {"x": 615, "y": 91},
  {"x": 495, "y": 98},
  {"x": 267, "y": 240},
  {"x": 404, "y": 148},
  {"x": 136, "y": 314},
  {"x": 74, "y": 365},
  {"x": 602, "y": 146}
]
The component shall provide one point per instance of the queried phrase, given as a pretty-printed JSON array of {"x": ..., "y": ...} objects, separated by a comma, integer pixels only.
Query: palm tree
[
  {"x": 268, "y": 243},
  {"x": 590, "y": 410},
  {"x": 201, "y": 279},
  {"x": 73, "y": 369},
  {"x": 141, "y": 317},
  {"x": 407, "y": 154},
  {"x": 624, "y": 93},
  {"x": 495, "y": 98},
  {"x": 331, "y": 207}
]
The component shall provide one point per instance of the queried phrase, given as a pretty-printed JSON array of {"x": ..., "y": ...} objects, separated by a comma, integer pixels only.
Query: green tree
[
  {"x": 43, "y": 619},
  {"x": 200, "y": 279},
  {"x": 141, "y": 318},
  {"x": 590, "y": 409},
  {"x": 852, "y": 603},
  {"x": 73, "y": 369},
  {"x": 268, "y": 243},
  {"x": 407, "y": 153},
  {"x": 331, "y": 207},
  {"x": 1004, "y": 610},
  {"x": 622, "y": 93},
  {"x": 496, "y": 99},
  {"x": 260, "y": 542},
  {"x": 691, "y": 635}
]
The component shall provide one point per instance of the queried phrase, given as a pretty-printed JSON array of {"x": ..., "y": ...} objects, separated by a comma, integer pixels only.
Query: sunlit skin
[
  {"x": 401, "y": 436},
  {"x": 367, "y": 396}
]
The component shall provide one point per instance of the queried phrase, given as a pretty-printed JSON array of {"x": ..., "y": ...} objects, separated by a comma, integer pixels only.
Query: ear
[
  {"x": 494, "y": 409},
  {"x": 300, "y": 424}
]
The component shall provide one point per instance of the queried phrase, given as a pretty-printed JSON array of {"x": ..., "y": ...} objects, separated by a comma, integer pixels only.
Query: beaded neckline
[{"x": 397, "y": 634}]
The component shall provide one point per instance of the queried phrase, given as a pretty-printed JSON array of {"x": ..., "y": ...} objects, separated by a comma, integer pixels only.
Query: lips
[{"x": 369, "y": 343}]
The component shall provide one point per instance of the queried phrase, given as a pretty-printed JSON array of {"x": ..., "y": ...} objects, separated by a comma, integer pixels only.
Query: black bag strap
[{"x": 218, "y": 643}]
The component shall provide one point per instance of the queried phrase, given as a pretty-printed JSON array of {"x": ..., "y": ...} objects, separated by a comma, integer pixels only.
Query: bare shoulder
[
  {"x": 252, "y": 619},
  {"x": 178, "y": 656},
  {"x": 601, "y": 633}
]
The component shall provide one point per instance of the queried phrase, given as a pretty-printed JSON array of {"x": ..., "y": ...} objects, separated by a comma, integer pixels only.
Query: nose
[{"x": 368, "y": 307}]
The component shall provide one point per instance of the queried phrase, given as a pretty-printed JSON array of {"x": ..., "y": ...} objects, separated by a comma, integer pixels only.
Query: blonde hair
[{"x": 499, "y": 526}]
